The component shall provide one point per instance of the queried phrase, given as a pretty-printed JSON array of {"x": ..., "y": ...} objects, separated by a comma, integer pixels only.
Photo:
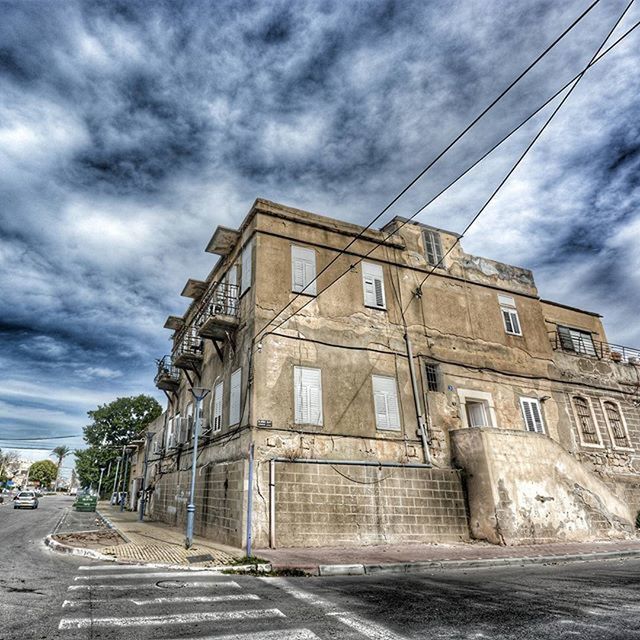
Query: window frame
[
  {"x": 573, "y": 339},
  {"x": 623, "y": 420},
  {"x": 397, "y": 427},
  {"x": 589, "y": 445},
  {"x": 536, "y": 401},
  {"x": 371, "y": 270},
  {"x": 212, "y": 407},
  {"x": 246, "y": 266},
  {"x": 508, "y": 307},
  {"x": 320, "y": 420},
  {"x": 432, "y": 238},
  {"x": 472, "y": 395},
  {"x": 235, "y": 374},
  {"x": 309, "y": 288},
  {"x": 436, "y": 377}
]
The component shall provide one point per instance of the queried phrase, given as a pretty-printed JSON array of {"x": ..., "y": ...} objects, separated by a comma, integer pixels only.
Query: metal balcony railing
[
  {"x": 167, "y": 375},
  {"x": 223, "y": 300},
  {"x": 585, "y": 345},
  {"x": 188, "y": 344}
]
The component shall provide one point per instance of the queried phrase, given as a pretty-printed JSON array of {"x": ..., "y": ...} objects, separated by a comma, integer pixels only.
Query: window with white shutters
[
  {"x": 510, "y": 315},
  {"x": 235, "y": 396},
  {"x": 308, "y": 395},
  {"x": 190, "y": 425},
  {"x": 303, "y": 270},
  {"x": 373, "y": 284},
  {"x": 217, "y": 406},
  {"x": 246, "y": 268},
  {"x": 532, "y": 415},
  {"x": 385, "y": 400},
  {"x": 170, "y": 438},
  {"x": 433, "y": 247}
]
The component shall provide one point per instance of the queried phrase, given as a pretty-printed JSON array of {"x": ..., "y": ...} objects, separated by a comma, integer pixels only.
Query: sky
[{"x": 130, "y": 130}]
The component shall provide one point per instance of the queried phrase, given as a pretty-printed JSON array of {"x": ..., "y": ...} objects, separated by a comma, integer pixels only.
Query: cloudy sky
[{"x": 129, "y": 130}]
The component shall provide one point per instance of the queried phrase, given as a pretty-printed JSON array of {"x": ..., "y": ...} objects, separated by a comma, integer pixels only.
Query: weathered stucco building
[{"x": 531, "y": 418}]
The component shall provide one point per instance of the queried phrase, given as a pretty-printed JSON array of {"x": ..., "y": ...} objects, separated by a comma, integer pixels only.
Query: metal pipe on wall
[
  {"x": 422, "y": 429},
  {"x": 272, "y": 504}
]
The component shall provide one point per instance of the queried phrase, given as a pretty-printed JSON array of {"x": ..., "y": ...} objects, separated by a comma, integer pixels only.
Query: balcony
[
  {"x": 219, "y": 317},
  {"x": 188, "y": 351},
  {"x": 168, "y": 377},
  {"x": 582, "y": 344}
]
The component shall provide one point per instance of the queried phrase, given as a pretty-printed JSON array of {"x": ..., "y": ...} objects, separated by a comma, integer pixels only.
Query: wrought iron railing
[
  {"x": 585, "y": 345},
  {"x": 166, "y": 370},
  {"x": 221, "y": 300},
  {"x": 188, "y": 343}
]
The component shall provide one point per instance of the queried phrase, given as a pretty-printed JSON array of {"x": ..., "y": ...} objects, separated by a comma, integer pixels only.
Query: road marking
[
  {"x": 177, "y": 618},
  {"x": 159, "y": 574},
  {"x": 367, "y": 628},
  {"x": 231, "y": 597},
  {"x": 291, "y": 634},
  {"x": 117, "y": 567},
  {"x": 138, "y": 585},
  {"x": 226, "y": 598}
]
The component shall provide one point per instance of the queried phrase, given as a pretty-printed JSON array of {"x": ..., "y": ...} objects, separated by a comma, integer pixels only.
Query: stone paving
[{"x": 150, "y": 541}]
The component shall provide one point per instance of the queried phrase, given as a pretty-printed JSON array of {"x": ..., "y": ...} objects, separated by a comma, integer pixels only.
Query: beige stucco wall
[{"x": 523, "y": 488}]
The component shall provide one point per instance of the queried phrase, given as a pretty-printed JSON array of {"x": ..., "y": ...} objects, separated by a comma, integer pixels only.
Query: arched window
[
  {"x": 586, "y": 424},
  {"x": 614, "y": 418}
]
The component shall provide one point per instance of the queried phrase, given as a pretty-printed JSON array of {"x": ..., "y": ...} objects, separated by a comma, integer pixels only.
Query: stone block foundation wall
[
  {"x": 330, "y": 505},
  {"x": 219, "y": 500}
]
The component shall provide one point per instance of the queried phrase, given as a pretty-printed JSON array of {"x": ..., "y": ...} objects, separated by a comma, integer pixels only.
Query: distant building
[{"x": 531, "y": 417}]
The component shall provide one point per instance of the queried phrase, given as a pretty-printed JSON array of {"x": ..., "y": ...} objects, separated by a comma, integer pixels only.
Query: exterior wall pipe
[
  {"x": 272, "y": 504},
  {"x": 250, "y": 500},
  {"x": 422, "y": 429}
]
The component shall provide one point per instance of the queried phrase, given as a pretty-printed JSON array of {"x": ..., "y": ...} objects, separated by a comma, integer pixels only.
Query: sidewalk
[
  {"x": 111, "y": 534},
  {"x": 406, "y": 558}
]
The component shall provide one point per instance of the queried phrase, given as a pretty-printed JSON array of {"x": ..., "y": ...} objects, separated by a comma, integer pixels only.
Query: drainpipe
[
  {"x": 272, "y": 504},
  {"x": 422, "y": 428},
  {"x": 250, "y": 500}
]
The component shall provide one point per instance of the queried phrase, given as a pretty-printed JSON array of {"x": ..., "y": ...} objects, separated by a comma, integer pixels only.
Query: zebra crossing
[{"x": 129, "y": 601}]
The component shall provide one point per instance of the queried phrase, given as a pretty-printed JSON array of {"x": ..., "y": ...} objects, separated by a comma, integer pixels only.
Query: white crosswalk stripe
[
  {"x": 232, "y": 597},
  {"x": 158, "y": 574},
  {"x": 291, "y": 634},
  {"x": 125, "y": 587},
  {"x": 173, "y": 618}
]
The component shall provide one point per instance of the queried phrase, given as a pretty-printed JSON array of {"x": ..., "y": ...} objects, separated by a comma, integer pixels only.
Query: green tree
[
  {"x": 8, "y": 459},
  {"x": 113, "y": 426},
  {"x": 44, "y": 472}
]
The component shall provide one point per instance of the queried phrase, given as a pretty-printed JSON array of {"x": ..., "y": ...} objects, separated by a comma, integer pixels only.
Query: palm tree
[{"x": 60, "y": 452}]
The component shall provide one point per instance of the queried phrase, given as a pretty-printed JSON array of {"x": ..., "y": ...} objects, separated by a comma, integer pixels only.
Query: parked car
[{"x": 25, "y": 500}]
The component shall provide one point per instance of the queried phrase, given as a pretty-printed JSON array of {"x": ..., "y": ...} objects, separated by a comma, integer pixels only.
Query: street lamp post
[
  {"x": 100, "y": 481},
  {"x": 144, "y": 474},
  {"x": 199, "y": 393},
  {"x": 124, "y": 478}
]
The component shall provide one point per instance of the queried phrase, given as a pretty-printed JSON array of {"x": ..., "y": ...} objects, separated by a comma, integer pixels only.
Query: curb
[
  {"x": 110, "y": 525},
  {"x": 417, "y": 567},
  {"x": 59, "y": 547}
]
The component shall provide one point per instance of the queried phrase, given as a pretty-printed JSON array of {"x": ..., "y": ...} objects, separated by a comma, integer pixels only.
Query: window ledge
[{"x": 368, "y": 306}]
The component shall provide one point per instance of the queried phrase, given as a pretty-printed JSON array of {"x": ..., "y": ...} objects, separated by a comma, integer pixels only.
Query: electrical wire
[
  {"x": 437, "y": 157},
  {"x": 527, "y": 149},
  {"x": 34, "y": 439},
  {"x": 377, "y": 244}
]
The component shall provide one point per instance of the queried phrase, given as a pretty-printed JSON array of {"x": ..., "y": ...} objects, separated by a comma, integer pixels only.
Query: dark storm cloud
[{"x": 128, "y": 130}]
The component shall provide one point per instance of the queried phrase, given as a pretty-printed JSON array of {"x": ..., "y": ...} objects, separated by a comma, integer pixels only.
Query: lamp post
[
  {"x": 199, "y": 393},
  {"x": 144, "y": 474},
  {"x": 100, "y": 481}
]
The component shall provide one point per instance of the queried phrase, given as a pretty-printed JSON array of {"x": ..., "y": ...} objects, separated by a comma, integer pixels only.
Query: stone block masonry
[
  {"x": 334, "y": 505},
  {"x": 219, "y": 500}
]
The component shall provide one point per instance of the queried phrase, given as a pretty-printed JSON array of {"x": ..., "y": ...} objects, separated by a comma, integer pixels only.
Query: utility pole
[
  {"x": 100, "y": 481},
  {"x": 124, "y": 478},
  {"x": 144, "y": 474},
  {"x": 199, "y": 393},
  {"x": 422, "y": 428},
  {"x": 116, "y": 478}
]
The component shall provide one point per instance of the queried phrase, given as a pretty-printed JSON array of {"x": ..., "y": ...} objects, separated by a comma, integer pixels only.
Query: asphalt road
[{"x": 48, "y": 596}]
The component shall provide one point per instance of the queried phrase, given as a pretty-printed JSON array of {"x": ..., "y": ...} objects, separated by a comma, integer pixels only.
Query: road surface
[{"x": 47, "y": 596}]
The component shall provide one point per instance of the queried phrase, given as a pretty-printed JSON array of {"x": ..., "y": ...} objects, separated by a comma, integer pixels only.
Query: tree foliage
[
  {"x": 8, "y": 460},
  {"x": 44, "y": 472},
  {"x": 113, "y": 426},
  {"x": 61, "y": 452}
]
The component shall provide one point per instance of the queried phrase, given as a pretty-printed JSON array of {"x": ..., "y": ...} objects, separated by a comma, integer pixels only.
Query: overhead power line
[
  {"x": 437, "y": 157},
  {"x": 26, "y": 439},
  {"x": 377, "y": 244},
  {"x": 529, "y": 146}
]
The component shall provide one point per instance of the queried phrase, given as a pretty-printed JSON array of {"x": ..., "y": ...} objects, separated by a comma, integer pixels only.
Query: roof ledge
[
  {"x": 222, "y": 241},
  {"x": 194, "y": 289},
  {"x": 174, "y": 323}
]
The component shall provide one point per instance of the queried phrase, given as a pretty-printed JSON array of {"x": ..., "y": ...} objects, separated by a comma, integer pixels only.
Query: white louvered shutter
[
  {"x": 373, "y": 284},
  {"x": 217, "y": 406},
  {"x": 246, "y": 268},
  {"x": 308, "y": 395},
  {"x": 532, "y": 415},
  {"x": 235, "y": 396},
  {"x": 385, "y": 398},
  {"x": 303, "y": 270}
]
